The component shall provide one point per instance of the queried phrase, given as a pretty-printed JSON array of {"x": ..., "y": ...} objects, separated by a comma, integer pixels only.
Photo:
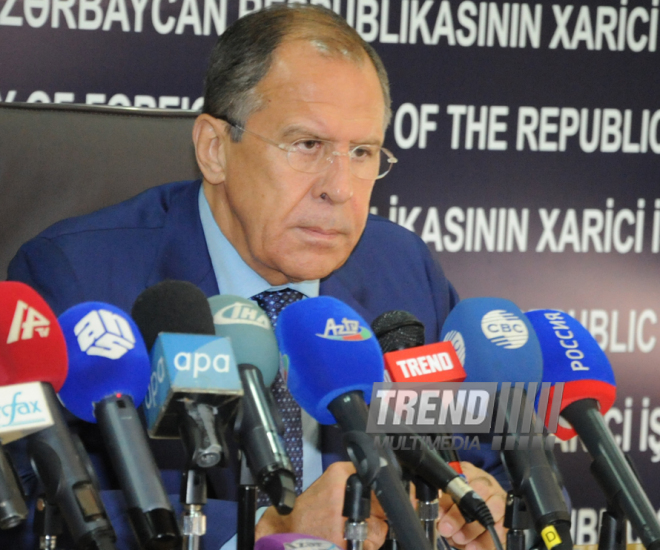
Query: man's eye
[
  {"x": 308, "y": 146},
  {"x": 363, "y": 153}
]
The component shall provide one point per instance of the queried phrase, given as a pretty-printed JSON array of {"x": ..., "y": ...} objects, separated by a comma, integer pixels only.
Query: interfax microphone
[
  {"x": 108, "y": 377},
  {"x": 500, "y": 346},
  {"x": 13, "y": 510},
  {"x": 32, "y": 348},
  {"x": 572, "y": 356},
  {"x": 289, "y": 541},
  {"x": 259, "y": 424},
  {"x": 331, "y": 361}
]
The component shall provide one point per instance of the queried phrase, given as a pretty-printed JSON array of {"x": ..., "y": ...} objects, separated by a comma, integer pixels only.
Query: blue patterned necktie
[{"x": 273, "y": 303}]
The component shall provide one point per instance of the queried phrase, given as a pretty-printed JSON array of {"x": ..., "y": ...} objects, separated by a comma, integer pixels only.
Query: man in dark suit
[{"x": 289, "y": 146}]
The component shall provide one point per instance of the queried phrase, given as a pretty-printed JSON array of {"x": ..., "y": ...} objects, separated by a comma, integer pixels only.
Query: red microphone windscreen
[{"x": 32, "y": 346}]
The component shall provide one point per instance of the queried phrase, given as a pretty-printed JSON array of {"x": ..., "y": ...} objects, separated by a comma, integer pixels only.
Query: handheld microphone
[
  {"x": 500, "y": 346},
  {"x": 571, "y": 355},
  {"x": 32, "y": 348},
  {"x": 401, "y": 336},
  {"x": 331, "y": 361},
  {"x": 259, "y": 424},
  {"x": 194, "y": 377},
  {"x": 109, "y": 374}
]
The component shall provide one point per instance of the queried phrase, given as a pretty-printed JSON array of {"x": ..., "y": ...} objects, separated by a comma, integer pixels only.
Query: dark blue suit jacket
[{"x": 114, "y": 254}]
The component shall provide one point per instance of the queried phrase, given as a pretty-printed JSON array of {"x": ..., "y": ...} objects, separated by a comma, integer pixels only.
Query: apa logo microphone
[
  {"x": 27, "y": 320},
  {"x": 504, "y": 329},
  {"x": 240, "y": 313},
  {"x": 346, "y": 331},
  {"x": 104, "y": 333}
]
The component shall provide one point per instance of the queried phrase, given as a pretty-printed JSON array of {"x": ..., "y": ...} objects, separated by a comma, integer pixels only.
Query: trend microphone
[
  {"x": 331, "y": 362},
  {"x": 32, "y": 348},
  {"x": 500, "y": 346},
  {"x": 109, "y": 374},
  {"x": 194, "y": 377},
  {"x": 401, "y": 336},
  {"x": 572, "y": 356},
  {"x": 260, "y": 427}
]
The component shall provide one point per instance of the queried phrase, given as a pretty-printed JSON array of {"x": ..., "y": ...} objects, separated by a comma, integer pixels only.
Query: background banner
[{"x": 527, "y": 136}]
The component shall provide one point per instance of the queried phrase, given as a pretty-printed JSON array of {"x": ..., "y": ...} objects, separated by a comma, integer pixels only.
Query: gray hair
[{"x": 243, "y": 54}]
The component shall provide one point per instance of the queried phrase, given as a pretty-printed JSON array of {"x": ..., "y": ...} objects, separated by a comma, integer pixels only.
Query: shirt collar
[{"x": 234, "y": 276}]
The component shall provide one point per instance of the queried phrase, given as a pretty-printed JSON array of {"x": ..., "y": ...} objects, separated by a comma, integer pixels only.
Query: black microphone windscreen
[
  {"x": 397, "y": 330},
  {"x": 172, "y": 306}
]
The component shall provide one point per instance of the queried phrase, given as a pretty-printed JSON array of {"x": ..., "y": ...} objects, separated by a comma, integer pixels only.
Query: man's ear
[{"x": 209, "y": 135}]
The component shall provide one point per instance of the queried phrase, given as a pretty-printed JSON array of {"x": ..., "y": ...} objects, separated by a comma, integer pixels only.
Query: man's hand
[
  {"x": 317, "y": 512},
  {"x": 472, "y": 536}
]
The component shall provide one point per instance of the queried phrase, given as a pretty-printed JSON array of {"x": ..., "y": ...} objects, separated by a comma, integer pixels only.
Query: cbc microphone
[
  {"x": 109, "y": 374},
  {"x": 331, "y": 361},
  {"x": 260, "y": 426},
  {"x": 500, "y": 346},
  {"x": 572, "y": 356},
  {"x": 32, "y": 348}
]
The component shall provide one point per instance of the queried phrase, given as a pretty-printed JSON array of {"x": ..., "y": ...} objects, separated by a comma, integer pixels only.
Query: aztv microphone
[
  {"x": 32, "y": 349},
  {"x": 331, "y": 361},
  {"x": 572, "y": 356},
  {"x": 109, "y": 373},
  {"x": 260, "y": 427},
  {"x": 499, "y": 345}
]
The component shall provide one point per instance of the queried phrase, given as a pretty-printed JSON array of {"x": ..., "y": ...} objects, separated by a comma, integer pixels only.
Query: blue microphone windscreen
[
  {"x": 572, "y": 355},
  {"x": 106, "y": 356},
  {"x": 327, "y": 350},
  {"x": 250, "y": 332},
  {"x": 495, "y": 341}
]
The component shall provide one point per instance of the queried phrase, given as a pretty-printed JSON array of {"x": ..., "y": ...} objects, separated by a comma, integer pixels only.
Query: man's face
[{"x": 288, "y": 225}]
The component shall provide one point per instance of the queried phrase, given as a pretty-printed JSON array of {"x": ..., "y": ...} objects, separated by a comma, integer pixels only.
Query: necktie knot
[{"x": 274, "y": 301}]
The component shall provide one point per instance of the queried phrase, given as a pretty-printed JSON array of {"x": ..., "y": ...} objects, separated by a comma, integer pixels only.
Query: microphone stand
[
  {"x": 247, "y": 507},
  {"x": 357, "y": 508},
  {"x": 47, "y": 523},
  {"x": 193, "y": 498},
  {"x": 427, "y": 509},
  {"x": 205, "y": 447},
  {"x": 516, "y": 520}
]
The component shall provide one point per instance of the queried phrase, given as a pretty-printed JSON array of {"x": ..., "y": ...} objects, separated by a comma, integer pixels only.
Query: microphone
[
  {"x": 401, "y": 337},
  {"x": 331, "y": 361},
  {"x": 13, "y": 510},
  {"x": 33, "y": 349},
  {"x": 573, "y": 357},
  {"x": 259, "y": 424},
  {"x": 193, "y": 372},
  {"x": 109, "y": 374},
  {"x": 500, "y": 346}
]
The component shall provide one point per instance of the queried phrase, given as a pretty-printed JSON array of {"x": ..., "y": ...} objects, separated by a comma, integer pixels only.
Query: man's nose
[{"x": 338, "y": 182}]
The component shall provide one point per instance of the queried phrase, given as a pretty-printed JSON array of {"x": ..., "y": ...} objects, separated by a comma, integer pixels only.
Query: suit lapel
[{"x": 182, "y": 253}]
